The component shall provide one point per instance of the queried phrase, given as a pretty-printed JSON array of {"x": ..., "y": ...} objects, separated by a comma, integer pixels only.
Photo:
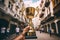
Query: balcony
[
  {"x": 47, "y": 3},
  {"x": 47, "y": 19}
]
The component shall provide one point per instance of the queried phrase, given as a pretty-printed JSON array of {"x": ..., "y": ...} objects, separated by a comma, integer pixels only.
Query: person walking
[
  {"x": 49, "y": 30},
  {"x": 17, "y": 30},
  {"x": 8, "y": 32},
  {"x": 3, "y": 31}
]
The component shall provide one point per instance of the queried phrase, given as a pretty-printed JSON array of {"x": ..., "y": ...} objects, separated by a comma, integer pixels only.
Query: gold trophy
[{"x": 30, "y": 14}]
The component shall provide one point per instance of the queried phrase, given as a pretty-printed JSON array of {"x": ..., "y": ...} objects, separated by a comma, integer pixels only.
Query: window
[{"x": 10, "y": 6}]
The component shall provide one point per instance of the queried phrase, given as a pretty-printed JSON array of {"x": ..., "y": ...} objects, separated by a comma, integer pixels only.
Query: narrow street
[
  {"x": 24, "y": 19},
  {"x": 45, "y": 36}
]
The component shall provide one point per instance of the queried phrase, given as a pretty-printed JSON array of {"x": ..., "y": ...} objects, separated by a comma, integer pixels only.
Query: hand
[
  {"x": 21, "y": 36},
  {"x": 26, "y": 29}
]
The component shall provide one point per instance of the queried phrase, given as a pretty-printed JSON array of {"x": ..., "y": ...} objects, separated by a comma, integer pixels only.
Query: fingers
[{"x": 26, "y": 29}]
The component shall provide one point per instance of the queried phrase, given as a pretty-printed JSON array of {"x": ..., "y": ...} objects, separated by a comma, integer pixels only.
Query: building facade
[
  {"x": 52, "y": 19},
  {"x": 11, "y": 15}
]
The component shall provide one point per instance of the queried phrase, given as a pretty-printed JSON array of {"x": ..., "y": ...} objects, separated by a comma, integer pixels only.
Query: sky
[
  {"x": 32, "y": 0},
  {"x": 31, "y": 3}
]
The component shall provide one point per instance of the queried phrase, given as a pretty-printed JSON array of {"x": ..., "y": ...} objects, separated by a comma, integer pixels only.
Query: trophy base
[{"x": 31, "y": 37}]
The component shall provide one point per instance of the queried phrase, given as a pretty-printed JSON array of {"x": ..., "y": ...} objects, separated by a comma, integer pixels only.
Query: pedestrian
[
  {"x": 22, "y": 27},
  {"x": 8, "y": 32},
  {"x": 49, "y": 30},
  {"x": 3, "y": 31},
  {"x": 17, "y": 30},
  {"x": 22, "y": 35},
  {"x": 40, "y": 30}
]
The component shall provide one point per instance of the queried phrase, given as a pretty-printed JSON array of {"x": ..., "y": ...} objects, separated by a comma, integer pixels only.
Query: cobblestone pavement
[{"x": 45, "y": 36}]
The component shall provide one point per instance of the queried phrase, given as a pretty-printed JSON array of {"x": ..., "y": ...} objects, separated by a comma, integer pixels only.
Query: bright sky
[{"x": 31, "y": 3}]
